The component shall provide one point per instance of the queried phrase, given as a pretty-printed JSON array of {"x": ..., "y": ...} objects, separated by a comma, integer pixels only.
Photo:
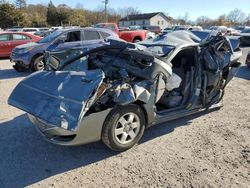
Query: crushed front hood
[{"x": 59, "y": 98}]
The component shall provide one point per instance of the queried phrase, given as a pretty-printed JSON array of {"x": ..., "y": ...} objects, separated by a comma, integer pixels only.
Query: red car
[
  {"x": 129, "y": 36},
  {"x": 9, "y": 40}
]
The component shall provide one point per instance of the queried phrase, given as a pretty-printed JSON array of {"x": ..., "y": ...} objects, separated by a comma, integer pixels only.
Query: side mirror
[{"x": 53, "y": 62}]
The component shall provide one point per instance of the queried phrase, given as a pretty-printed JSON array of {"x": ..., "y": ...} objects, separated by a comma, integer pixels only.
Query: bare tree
[
  {"x": 222, "y": 20},
  {"x": 248, "y": 19},
  {"x": 236, "y": 16},
  {"x": 183, "y": 20},
  {"x": 123, "y": 12},
  {"x": 204, "y": 21}
]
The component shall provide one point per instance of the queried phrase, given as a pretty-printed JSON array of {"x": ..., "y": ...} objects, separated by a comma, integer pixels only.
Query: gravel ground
[{"x": 205, "y": 150}]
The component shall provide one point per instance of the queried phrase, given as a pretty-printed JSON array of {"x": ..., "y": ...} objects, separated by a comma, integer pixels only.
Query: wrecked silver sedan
[{"x": 113, "y": 92}]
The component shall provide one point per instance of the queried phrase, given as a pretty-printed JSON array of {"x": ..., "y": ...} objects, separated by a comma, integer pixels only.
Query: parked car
[
  {"x": 30, "y": 30},
  {"x": 151, "y": 35},
  {"x": 14, "y": 30},
  {"x": 245, "y": 37},
  {"x": 232, "y": 32},
  {"x": 166, "y": 30},
  {"x": 55, "y": 28},
  {"x": 30, "y": 56},
  {"x": 43, "y": 33},
  {"x": 9, "y": 40},
  {"x": 246, "y": 30},
  {"x": 44, "y": 29},
  {"x": 195, "y": 28},
  {"x": 180, "y": 27},
  {"x": 155, "y": 29},
  {"x": 129, "y": 36},
  {"x": 248, "y": 60},
  {"x": 113, "y": 92},
  {"x": 222, "y": 29}
]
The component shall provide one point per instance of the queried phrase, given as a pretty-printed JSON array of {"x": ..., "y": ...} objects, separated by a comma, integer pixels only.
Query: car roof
[
  {"x": 30, "y": 28},
  {"x": 14, "y": 32},
  {"x": 176, "y": 39},
  {"x": 89, "y": 28}
]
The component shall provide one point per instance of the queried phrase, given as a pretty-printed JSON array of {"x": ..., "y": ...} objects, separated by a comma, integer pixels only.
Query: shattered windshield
[{"x": 160, "y": 50}]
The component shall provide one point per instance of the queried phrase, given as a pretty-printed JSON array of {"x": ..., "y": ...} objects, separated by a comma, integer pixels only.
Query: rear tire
[
  {"x": 38, "y": 64},
  {"x": 123, "y": 127}
]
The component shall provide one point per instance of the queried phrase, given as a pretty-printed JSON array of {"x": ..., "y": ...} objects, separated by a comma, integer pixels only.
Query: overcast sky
[{"x": 195, "y": 8}]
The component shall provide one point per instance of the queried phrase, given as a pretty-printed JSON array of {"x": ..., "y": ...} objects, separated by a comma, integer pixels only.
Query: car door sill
[{"x": 165, "y": 116}]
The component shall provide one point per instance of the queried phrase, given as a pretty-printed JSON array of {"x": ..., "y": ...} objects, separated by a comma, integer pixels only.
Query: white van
[{"x": 30, "y": 30}]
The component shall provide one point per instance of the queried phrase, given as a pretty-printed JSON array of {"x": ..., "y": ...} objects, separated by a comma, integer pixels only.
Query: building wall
[
  {"x": 160, "y": 21},
  {"x": 156, "y": 20},
  {"x": 142, "y": 23}
]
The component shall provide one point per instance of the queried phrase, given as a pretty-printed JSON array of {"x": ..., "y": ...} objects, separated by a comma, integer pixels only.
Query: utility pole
[{"x": 106, "y": 10}]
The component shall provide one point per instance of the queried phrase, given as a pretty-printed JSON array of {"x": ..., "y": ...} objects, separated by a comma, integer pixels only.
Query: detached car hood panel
[{"x": 59, "y": 98}]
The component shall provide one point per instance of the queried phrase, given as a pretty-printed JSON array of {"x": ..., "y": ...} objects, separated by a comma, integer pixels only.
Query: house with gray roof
[{"x": 145, "y": 20}]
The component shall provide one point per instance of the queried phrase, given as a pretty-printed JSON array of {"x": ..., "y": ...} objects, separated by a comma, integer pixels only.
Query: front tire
[
  {"x": 38, "y": 64},
  {"x": 123, "y": 127}
]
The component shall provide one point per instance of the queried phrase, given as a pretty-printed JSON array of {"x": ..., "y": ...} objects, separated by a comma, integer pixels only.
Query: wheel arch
[
  {"x": 35, "y": 56},
  {"x": 141, "y": 105},
  {"x": 137, "y": 38}
]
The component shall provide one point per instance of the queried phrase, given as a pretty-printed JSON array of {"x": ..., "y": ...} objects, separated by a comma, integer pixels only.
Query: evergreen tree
[
  {"x": 9, "y": 16},
  {"x": 52, "y": 15}
]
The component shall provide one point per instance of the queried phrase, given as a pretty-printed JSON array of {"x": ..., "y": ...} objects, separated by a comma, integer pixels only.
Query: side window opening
[
  {"x": 73, "y": 36},
  {"x": 104, "y": 35},
  {"x": 20, "y": 37},
  {"x": 91, "y": 35},
  {"x": 5, "y": 37}
]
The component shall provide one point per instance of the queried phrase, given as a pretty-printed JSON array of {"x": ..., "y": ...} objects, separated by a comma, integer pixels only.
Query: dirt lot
[{"x": 205, "y": 150}]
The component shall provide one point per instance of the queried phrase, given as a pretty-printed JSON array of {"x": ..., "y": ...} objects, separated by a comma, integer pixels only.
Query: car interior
[{"x": 183, "y": 66}]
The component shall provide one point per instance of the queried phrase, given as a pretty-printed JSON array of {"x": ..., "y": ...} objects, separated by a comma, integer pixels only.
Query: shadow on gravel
[
  {"x": 25, "y": 158},
  {"x": 168, "y": 127},
  {"x": 244, "y": 73},
  {"x": 12, "y": 73}
]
